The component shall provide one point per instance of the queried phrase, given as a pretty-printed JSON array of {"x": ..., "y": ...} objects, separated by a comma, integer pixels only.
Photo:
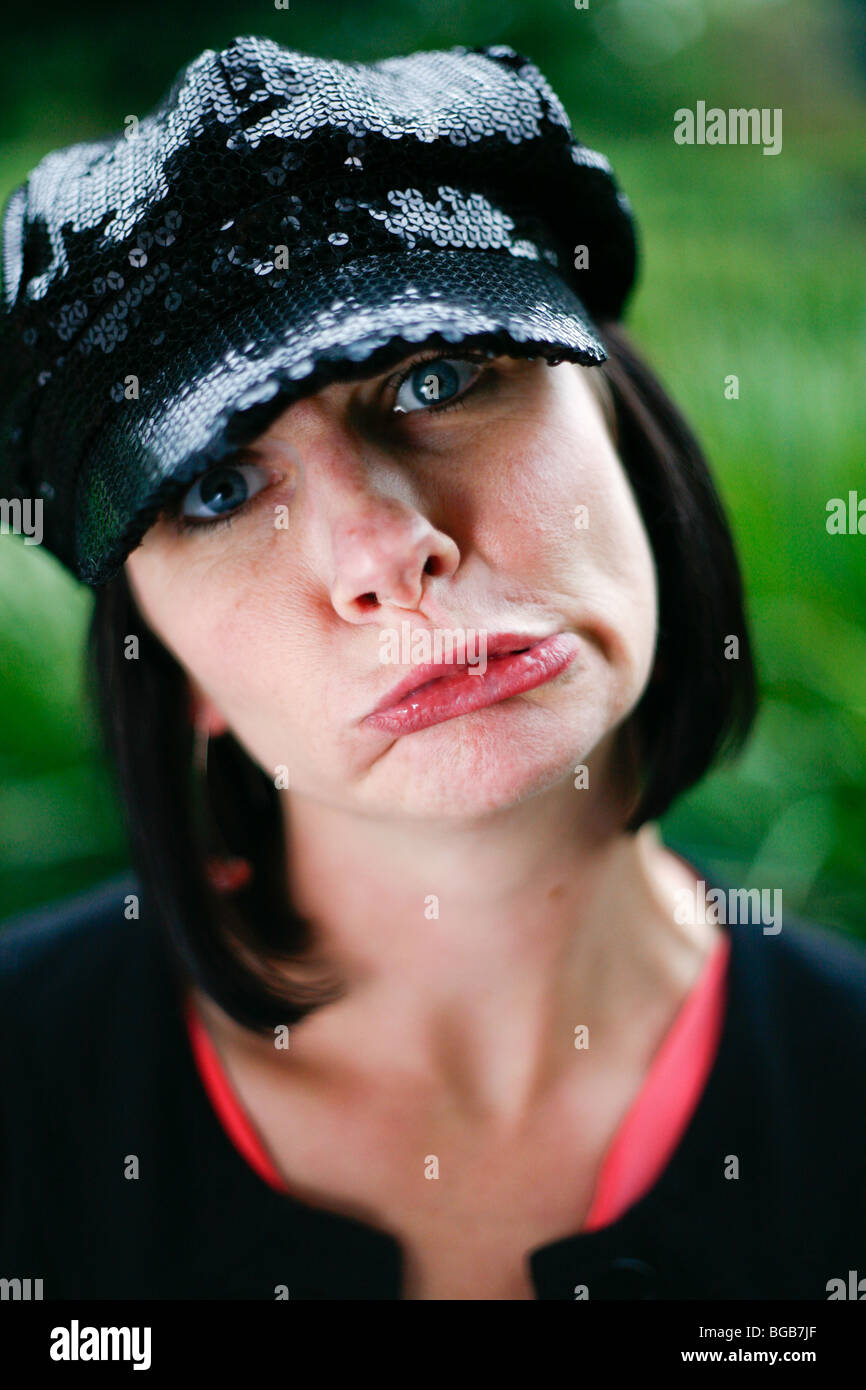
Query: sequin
[{"x": 278, "y": 222}]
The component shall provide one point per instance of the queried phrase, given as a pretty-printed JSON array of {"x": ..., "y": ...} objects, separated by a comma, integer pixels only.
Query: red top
[{"x": 641, "y": 1147}]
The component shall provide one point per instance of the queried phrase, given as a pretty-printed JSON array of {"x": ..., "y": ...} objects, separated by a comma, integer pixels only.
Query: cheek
[
  {"x": 564, "y": 499},
  {"x": 616, "y": 573},
  {"x": 564, "y": 519},
  {"x": 229, "y": 629}
]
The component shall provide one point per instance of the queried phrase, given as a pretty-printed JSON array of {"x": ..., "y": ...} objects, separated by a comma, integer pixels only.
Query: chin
[{"x": 482, "y": 762}]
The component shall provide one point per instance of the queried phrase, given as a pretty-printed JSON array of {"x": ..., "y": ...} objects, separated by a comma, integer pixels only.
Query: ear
[{"x": 203, "y": 713}]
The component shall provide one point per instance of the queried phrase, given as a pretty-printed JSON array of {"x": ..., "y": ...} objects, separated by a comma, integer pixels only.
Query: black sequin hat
[{"x": 278, "y": 222}]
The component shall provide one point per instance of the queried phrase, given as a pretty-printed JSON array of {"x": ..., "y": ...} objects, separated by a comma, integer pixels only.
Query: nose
[
  {"x": 367, "y": 507},
  {"x": 383, "y": 549}
]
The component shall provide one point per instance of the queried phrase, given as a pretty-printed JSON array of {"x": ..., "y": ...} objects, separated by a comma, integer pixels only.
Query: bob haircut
[{"x": 240, "y": 949}]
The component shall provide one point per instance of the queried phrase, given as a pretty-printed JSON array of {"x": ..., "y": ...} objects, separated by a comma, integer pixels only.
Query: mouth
[
  {"x": 432, "y": 694},
  {"x": 499, "y": 645}
]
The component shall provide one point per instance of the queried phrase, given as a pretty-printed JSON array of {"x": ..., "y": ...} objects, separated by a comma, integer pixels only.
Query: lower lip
[{"x": 450, "y": 696}]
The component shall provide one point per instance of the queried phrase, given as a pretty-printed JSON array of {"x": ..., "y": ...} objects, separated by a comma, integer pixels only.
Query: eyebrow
[
  {"x": 244, "y": 453},
  {"x": 253, "y": 452}
]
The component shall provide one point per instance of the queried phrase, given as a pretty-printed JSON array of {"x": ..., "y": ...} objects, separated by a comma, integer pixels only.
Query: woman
[{"x": 317, "y": 374}]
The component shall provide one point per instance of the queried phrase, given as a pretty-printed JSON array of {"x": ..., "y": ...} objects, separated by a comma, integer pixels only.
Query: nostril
[{"x": 432, "y": 566}]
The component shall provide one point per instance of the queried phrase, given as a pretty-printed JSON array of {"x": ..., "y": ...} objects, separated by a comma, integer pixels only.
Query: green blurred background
[{"x": 752, "y": 265}]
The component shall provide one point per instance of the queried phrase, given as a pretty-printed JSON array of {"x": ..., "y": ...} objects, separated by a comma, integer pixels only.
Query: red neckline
[
  {"x": 660, "y": 1113},
  {"x": 644, "y": 1142},
  {"x": 230, "y": 1112}
]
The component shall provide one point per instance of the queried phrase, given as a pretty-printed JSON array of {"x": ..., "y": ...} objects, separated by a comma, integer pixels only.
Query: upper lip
[{"x": 497, "y": 644}]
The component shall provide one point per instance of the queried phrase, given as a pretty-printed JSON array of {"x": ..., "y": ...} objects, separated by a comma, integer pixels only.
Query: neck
[{"x": 472, "y": 952}]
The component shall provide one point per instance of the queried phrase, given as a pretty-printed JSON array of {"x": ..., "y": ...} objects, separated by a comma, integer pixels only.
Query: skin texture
[{"x": 456, "y": 1032}]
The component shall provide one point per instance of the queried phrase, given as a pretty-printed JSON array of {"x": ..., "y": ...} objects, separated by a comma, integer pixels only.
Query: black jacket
[{"x": 96, "y": 1066}]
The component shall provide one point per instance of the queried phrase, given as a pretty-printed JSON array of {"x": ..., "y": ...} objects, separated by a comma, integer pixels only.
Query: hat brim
[{"x": 217, "y": 393}]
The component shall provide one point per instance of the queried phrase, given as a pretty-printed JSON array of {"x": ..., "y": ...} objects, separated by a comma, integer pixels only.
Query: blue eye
[
  {"x": 431, "y": 384},
  {"x": 217, "y": 494}
]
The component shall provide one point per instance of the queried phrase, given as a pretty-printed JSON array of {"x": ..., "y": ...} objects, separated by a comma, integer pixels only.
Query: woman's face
[{"x": 507, "y": 512}]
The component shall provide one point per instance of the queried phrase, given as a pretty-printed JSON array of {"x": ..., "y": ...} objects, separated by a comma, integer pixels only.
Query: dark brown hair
[{"x": 698, "y": 706}]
